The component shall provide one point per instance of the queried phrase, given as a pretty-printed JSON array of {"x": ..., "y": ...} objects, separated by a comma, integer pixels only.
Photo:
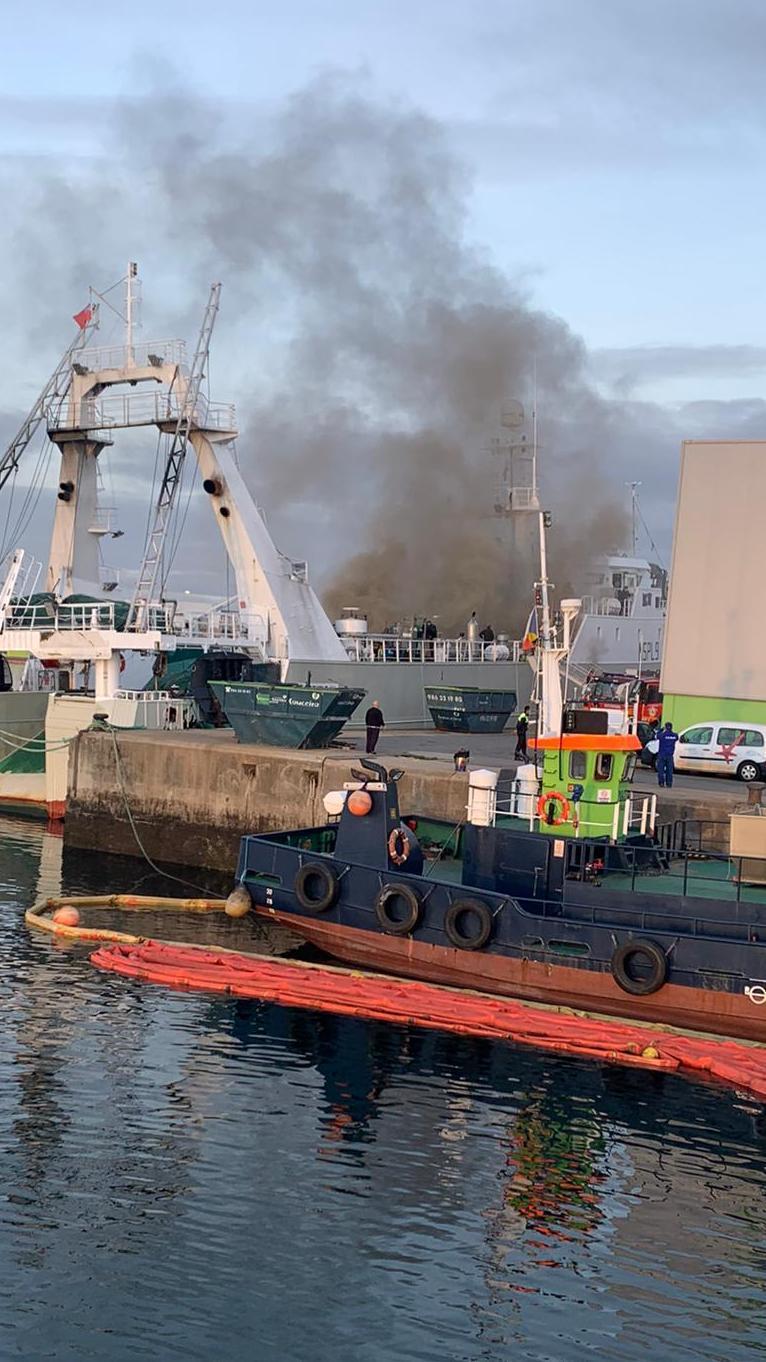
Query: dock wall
[{"x": 193, "y": 795}]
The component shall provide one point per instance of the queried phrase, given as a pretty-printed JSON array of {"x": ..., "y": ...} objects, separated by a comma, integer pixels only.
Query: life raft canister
[
  {"x": 316, "y": 887},
  {"x": 639, "y": 967},
  {"x": 544, "y": 808},
  {"x": 391, "y": 897},
  {"x": 398, "y": 846}
]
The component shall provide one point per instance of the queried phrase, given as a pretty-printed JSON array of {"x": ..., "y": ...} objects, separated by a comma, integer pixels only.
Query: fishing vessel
[
  {"x": 74, "y": 647},
  {"x": 570, "y": 893}
]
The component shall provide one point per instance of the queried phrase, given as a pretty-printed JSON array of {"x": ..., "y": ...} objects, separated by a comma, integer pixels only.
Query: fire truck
[{"x": 637, "y": 699}]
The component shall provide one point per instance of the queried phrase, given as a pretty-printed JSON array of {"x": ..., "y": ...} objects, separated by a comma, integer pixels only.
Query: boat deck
[{"x": 708, "y": 878}]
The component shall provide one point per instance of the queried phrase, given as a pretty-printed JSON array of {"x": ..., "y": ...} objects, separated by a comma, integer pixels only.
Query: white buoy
[
  {"x": 333, "y": 802},
  {"x": 524, "y": 792},
  {"x": 482, "y": 797}
]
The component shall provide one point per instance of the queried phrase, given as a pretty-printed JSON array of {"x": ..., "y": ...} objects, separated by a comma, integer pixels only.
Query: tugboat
[{"x": 570, "y": 895}]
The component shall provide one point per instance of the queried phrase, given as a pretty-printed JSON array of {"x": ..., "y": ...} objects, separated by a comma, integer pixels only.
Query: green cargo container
[
  {"x": 286, "y": 716},
  {"x": 466, "y": 709}
]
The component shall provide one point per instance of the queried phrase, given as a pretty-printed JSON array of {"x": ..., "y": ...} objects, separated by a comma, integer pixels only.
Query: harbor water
[{"x": 191, "y": 1178}]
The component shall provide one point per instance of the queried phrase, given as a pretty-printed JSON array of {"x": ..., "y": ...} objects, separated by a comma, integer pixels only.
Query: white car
[{"x": 718, "y": 749}]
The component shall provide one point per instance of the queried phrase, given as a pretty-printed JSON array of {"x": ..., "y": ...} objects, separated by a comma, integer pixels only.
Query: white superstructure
[{"x": 621, "y": 621}]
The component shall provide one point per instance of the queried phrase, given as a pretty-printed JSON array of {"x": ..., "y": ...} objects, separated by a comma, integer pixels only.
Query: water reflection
[{"x": 195, "y": 1177}]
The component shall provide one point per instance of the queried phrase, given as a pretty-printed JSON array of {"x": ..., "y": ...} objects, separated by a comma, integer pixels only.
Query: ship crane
[
  {"x": 56, "y": 388},
  {"x": 171, "y": 480}
]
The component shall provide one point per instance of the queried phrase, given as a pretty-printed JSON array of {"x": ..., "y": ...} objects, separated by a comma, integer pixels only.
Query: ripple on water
[{"x": 191, "y": 1177}]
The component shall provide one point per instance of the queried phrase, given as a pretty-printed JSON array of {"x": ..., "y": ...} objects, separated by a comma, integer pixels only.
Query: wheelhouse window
[
  {"x": 630, "y": 766},
  {"x": 577, "y": 765},
  {"x": 604, "y": 763}
]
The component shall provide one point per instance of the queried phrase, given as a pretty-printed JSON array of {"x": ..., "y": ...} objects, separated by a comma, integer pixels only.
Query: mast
[
  {"x": 634, "y": 486},
  {"x": 130, "y": 357}
]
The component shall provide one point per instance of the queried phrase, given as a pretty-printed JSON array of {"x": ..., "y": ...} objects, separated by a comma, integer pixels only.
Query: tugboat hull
[{"x": 697, "y": 1009}]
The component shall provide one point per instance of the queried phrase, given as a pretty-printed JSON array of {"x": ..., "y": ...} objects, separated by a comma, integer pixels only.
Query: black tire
[
  {"x": 748, "y": 771},
  {"x": 316, "y": 887},
  {"x": 463, "y": 910},
  {"x": 652, "y": 967},
  {"x": 389, "y": 896}
]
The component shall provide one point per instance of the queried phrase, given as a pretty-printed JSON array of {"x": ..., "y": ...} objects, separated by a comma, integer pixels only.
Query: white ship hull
[{"x": 618, "y": 643}]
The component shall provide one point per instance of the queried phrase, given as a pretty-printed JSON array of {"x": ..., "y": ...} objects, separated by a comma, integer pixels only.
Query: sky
[{"x": 606, "y": 163}]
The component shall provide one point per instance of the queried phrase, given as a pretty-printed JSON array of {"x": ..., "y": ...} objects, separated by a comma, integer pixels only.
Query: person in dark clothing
[
  {"x": 374, "y": 721},
  {"x": 666, "y": 746},
  {"x": 522, "y": 728},
  {"x": 487, "y": 634}
]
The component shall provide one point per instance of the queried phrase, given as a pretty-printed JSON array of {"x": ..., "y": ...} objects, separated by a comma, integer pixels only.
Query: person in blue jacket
[{"x": 666, "y": 746}]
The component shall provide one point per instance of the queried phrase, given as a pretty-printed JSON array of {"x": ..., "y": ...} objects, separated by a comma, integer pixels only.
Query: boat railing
[
  {"x": 393, "y": 648},
  {"x": 121, "y": 410},
  {"x": 243, "y": 627},
  {"x": 158, "y": 709},
  {"x": 686, "y": 872},
  {"x": 605, "y": 605},
  {"x": 146, "y": 354},
  {"x": 592, "y": 818},
  {"x": 61, "y": 616}
]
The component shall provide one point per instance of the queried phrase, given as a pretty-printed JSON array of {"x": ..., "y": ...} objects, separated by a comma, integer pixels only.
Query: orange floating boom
[{"x": 327, "y": 988}]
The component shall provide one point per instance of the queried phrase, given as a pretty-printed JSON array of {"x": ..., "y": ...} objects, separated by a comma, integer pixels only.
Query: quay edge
[{"x": 193, "y": 795}]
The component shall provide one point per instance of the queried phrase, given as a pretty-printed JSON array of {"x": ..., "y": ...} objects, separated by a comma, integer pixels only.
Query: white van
[{"x": 718, "y": 749}]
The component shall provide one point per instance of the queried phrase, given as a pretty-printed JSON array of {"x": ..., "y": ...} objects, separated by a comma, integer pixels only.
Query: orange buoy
[
  {"x": 67, "y": 916},
  {"x": 359, "y": 802}
]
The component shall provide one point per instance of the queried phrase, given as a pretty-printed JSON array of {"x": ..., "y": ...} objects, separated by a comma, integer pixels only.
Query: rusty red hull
[{"x": 695, "y": 1009}]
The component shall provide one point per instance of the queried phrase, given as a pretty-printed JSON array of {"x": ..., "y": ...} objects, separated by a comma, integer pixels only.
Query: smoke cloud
[{"x": 374, "y": 343}]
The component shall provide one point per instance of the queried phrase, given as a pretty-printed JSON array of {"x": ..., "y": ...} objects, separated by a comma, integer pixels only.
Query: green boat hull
[{"x": 285, "y": 716}]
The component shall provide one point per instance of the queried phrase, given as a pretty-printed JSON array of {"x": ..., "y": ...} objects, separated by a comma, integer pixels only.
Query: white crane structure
[{"x": 96, "y": 391}]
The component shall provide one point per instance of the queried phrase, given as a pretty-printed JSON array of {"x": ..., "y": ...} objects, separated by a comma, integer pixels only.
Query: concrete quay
[{"x": 191, "y": 796}]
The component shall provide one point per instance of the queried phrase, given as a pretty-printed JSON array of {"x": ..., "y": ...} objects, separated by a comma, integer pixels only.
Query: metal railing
[
  {"x": 388, "y": 648},
  {"x": 145, "y": 355},
  {"x": 240, "y": 626},
  {"x": 685, "y": 872},
  {"x": 62, "y": 616},
  {"x": 122, "y": 410}
]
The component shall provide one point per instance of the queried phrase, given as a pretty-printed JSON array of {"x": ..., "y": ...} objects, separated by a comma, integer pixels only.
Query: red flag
[{"x": 82, "y": 318}]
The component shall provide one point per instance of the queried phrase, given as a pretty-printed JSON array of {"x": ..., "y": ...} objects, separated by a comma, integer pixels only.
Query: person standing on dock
[
  {"x": 666, "y": 746},
  {"x": 522, "y": 729},
  {"x": 374, "y": 721}
]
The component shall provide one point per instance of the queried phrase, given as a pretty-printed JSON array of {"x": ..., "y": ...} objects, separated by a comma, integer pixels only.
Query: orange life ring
[
  {"x": 543, "y": 804},
  {"x": 398, "y": 846}
]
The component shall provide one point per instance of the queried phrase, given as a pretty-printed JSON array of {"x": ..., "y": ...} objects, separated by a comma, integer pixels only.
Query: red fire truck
[{"x": 638, "y": 698}]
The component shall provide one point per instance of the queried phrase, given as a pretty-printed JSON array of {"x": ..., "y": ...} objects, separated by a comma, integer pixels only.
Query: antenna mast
[
  {"x": 634, "y": 486},
  {"x": 147, "y": 577}
]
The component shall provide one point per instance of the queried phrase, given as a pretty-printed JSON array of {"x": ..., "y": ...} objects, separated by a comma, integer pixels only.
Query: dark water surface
[{"x": 190, "y": 1178}]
